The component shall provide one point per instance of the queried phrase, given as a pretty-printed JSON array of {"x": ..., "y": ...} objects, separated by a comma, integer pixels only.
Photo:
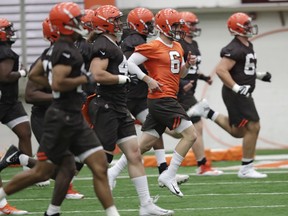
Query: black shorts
[
  {"x": 37, "y": 120},
  {"x": 137, "y": 106},
  {"x": 164, "y": 112},
  {"x": 13, "y": 112},
  {"x": 109, "y": 124},
  {"x": 66, "y": 133},
  {"x": 241, "y": 109}
]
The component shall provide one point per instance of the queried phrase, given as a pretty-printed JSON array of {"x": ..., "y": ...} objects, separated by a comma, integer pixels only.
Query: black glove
[
  {"x": 203, "y": 77},
  {"x": 133, "y": 79},
  {"x": 267, "y": 77},
  {"x": 89, "y": 76}
]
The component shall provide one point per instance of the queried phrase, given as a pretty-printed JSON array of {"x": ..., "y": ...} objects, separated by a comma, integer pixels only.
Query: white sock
[
  {"x": 23, "y": 159},
  {"x": 174, "y": 164},
  {"x": 214, "y": 116},
  {"x": 112, "y": 211},
  {"x": 3, "y": 201},
  {"x": 141, "y": 185},
  {"x": 160, "y": 156},
  {"x": 52, "y": 209},
  {"x": 118, "y": 167}
]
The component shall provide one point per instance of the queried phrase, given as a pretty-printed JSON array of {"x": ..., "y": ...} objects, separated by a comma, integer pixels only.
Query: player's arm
[
  {"x": 60, "y": 80},
  {"x": 222, "y": 70},
  {"x": 133, "y": 62},
  {"x": 36, "y": 74},
  {"x": 98, "y": 67},
  {"x": 7, "y": 75},
  {"x": 34, "y": 95}
]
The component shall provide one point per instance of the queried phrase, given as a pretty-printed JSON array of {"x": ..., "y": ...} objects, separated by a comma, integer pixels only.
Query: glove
[
  {"x": 264, "y": 76},
  {"x": 131, "y": 78},
  {"x": 89, "y": 76},
  {"x": 242, "y": 90}
]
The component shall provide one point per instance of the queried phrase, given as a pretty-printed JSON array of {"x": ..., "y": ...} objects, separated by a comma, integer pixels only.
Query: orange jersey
[{"x": 164, "y": 64}]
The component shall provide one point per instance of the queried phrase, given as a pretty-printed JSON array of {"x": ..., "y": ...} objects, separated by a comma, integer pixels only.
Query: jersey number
[
  {"x": 250, "y": 64},
  {"x": 175, "y": 61}
]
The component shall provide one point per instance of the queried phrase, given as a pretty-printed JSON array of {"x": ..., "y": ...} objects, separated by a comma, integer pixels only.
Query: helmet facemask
[
  {"x": 249, "y": 30},
  {"x": 75, "y": 24},
  {"x": 192, "y": 30},
  {"x": 176, "y": 31}
]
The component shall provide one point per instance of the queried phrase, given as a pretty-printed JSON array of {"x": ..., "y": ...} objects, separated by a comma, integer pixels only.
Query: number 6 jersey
[{"x": 169, "y": 59}]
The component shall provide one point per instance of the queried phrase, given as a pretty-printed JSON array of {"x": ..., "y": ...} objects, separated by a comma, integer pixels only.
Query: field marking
[{"x": 176, "y": 210}]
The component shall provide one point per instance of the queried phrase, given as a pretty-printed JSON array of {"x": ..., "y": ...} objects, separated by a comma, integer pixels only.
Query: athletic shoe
[
  {"x": 180, "y": 179},
  {"x": 206, "y": 170},
  {"x": 199, "y": 109},
  {"x": 11, "y": 210},
  {"x": 73, "y": 194},
  {"x": 111, "y": 180},
  {"x": 57, "y": 214},
  {"x": 248, "y": 171},
  {"x": 151, "y": 209},
  {"x": 43, "y": 183},
  {"x": 170, "y": 183},
  {"x": 10, "y": 157}
]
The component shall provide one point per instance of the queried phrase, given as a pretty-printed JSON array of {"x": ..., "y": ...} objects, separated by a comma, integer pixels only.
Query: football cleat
[
  {"x": 248, "y": 171},
  {"x": 43, "y": 183},
  {"x": 10, "y": 157},
  {"x": 206, "y": 170},
  {"x": 151, "y": 209},
  {"x": 73, "y": 194},
  {"x": 57, "y": 214},
  {"x": 11, "y": 210},
  {"x": 199, "y": 109},
  {"x": 170, "y": 183},
  {"x": 180, "y": 179}
]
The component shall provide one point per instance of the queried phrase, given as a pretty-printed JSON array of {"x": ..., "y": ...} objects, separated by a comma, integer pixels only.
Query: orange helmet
[
  {"x": 87, "y": 19},
  {"x": 241, "y": 24},
  {"x": 65, "y": 17},
  {"x": 7, "y": 32},
  {"x": 107, "y": 19},
  {"x": 191, "y": 21},
  {"x": 48, "y": 32},
  {"x": 167, "y": 21},
  {"x": 142, "y": 21}
]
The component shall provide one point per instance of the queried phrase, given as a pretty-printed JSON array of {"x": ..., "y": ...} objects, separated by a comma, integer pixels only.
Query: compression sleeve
[{"x": 133, "y": 62}]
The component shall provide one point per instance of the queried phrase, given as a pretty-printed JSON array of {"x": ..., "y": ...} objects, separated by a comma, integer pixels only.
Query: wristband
[
  {"x": 22, "y": 73},
  {"x": 122, "y": 79},
  {"x": 236, "y": 88}
]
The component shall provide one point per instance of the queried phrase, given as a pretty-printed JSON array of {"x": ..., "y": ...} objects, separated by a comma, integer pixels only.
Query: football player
[
  {"x": 187, "y": 90},
  {"x": 163, "y": 59},
  {"x": 109, "y": 114},
  {"x": 237, "y": 70},
  {"x": 12, "y": 112},
  {"x": 41, "y": 97},
  {"x": 141, "y": 26},
  {"x": 65, "y": 133}
]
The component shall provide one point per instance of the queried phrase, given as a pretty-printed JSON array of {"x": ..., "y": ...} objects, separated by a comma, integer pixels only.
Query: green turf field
[{"x": 203, "y": 196}]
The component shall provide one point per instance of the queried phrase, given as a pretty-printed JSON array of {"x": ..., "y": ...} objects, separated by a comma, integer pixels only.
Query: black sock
[
  {"x": 162, "y": 167},
  {"x": 246, "y": 163},
  {"x": 201, "y": 162}
]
